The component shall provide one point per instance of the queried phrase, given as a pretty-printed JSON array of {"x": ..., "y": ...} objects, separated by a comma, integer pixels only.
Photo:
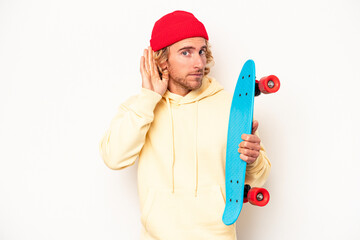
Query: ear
[{"x": 164, "y": 65}]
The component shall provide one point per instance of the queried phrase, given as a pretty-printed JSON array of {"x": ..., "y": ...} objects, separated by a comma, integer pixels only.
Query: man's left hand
[{"x": 249, "y": 149}]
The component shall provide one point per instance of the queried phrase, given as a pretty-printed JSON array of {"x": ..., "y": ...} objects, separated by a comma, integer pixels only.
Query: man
[{"x": 177, "y": 129}]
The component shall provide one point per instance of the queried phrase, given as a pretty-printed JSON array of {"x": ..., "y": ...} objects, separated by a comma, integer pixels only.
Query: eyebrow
[{"x": 190, "y": 47}]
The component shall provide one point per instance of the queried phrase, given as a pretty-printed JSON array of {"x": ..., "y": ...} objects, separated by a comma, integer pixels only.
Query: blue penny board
[{"x": 240, "y": 122}]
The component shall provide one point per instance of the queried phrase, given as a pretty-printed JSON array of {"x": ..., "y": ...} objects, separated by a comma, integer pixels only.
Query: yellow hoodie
[{"x": 180, "y": 143}]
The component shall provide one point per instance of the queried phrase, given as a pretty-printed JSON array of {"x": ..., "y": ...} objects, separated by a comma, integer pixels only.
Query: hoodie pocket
[{"x": 181, "y": 215}]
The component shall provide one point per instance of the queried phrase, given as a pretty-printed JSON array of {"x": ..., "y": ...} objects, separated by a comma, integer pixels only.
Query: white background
[{"x": 65, "y": 66}]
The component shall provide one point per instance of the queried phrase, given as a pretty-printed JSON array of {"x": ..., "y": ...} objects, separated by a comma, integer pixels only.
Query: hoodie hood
[{"x": 208, "y": 88}]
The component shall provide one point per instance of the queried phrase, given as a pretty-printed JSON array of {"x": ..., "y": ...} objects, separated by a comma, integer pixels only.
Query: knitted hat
[{"x": 174, "y": 27}]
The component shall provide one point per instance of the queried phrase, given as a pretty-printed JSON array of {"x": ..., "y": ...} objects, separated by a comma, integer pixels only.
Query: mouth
[{"x": 196, "y": 74}]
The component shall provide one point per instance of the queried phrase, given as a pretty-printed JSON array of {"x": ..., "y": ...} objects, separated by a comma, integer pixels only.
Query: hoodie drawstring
[
  {"x": 172, "y": 143},
  {"x": 196, "y": 148},
  {"x": 173, "y": 146}
]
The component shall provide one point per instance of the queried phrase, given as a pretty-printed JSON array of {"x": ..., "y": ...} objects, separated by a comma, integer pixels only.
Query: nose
[{"x": 199, "y": 61}]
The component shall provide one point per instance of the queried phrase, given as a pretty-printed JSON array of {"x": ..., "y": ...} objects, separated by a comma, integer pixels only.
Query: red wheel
[
  {"x": 258, "y": 196},
  {"x": 269, "y": 84}
]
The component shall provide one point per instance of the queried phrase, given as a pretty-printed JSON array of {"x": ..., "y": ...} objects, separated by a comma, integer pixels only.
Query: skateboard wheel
[
  {"x": 258, "y": 196},
  {"x": 269, "y": 84}
]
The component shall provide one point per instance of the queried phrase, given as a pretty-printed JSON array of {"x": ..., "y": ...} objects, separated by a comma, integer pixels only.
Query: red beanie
[{"x": 174, "y": 27}]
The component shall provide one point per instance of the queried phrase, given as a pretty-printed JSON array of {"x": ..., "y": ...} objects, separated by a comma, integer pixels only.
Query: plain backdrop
[{"x": 66, "y": 66}]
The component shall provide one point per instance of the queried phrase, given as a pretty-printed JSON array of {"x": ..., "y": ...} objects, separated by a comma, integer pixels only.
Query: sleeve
[
  {"x": 122, "y": 142},
  {"x": 258, "y": 172}
]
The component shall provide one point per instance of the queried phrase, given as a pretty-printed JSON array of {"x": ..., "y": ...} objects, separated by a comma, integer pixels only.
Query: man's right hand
[{"x": 150, "y": 74}]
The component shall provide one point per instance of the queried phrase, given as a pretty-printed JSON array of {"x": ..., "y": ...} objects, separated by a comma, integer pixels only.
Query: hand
[
  {"x": 150, "y": 74},
  {"x": 249, "y": 149}
]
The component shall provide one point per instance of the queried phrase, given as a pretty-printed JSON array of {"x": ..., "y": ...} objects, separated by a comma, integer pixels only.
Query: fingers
[
  {"x": 146, "y": 61},
  {"x": 151, "y": 61},
  {"x": 153, "y": 68},
  {"x": 250, "y": 138},
  {"x": 247, "y": 159},
  {"x": 250, "y": 145},
  {"x": 143, "y": 71},
  {"x": 150, "y": 64},
  {"x": 249, "y": 149},
  {"x": 255, "y": 126},
  {"x": 150, "y": 72},
  {"x": 156, "y": 70},
  {"x": 248, "y": 152},
  {"x": 142, "y": 66}
]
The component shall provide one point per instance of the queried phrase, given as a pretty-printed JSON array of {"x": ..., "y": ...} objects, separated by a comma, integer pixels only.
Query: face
[{"x": 186, "y": 64}]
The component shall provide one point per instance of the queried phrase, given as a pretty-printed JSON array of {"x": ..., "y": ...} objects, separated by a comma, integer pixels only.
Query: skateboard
[{"x": 240, "y": 122}]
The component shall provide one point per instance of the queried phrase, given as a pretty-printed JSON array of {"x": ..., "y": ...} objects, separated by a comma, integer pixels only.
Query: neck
[{"x": 177, "y": 88}]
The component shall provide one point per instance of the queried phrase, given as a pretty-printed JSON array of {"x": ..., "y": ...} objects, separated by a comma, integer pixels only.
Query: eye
[
  {"x": 202, "y": 52},
  {"x": 185, "y": 53}
]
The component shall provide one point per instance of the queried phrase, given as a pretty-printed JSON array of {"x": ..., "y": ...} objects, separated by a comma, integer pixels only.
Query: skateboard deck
[{"x": 240, "y": 121}]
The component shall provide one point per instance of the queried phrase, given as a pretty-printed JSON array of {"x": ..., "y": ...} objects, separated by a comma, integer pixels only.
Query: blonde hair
[{"x": 161, "y": 56}]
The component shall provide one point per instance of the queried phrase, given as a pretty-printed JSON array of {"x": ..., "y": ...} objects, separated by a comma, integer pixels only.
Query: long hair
[{"x": 161, "y": 56}]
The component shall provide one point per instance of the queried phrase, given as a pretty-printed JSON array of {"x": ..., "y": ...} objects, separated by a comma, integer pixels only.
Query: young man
[{"x": 177, "y": 129}]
